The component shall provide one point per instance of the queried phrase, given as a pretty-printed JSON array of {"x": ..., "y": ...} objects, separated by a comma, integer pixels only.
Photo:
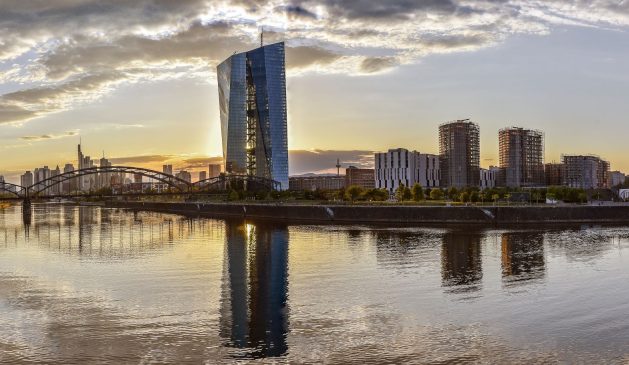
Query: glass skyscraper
[{"x": 252, "y": 98}]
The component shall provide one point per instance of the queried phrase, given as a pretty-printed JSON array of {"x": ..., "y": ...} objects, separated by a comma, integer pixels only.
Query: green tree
[
  {"x": 475, "y": 196},
  {"x": 377, "y": 194},
  {"x": 495, "y": 197},
  {"x": 453, "y": 193},
  {"x": 403, "y": 193},
  {"x": 464, "y": 197},
  {"x": 418, "y": 192},
  {"x": 436, "y": 194},
  {"x": 340, "y": 194},
  {"x": 354, "y": 192}
]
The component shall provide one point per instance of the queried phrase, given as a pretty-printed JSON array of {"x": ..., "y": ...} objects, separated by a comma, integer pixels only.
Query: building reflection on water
[
  {"x": 104, "y": 233},
  {"x": 461, "y": 263},
  {"x": 254, "y": 312},
  {"x": 522, "y": 256}
]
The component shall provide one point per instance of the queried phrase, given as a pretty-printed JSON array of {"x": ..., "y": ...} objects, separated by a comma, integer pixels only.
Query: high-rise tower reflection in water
[
  {"x": 461, "y": 263},
  {"x": 522, "y": 256},
  {"x": 254, "y": 312}
]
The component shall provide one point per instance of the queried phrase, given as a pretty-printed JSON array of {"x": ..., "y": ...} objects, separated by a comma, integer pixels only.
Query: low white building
[
  {"x": 488, "y": 177},
  {"x": 427, "y": 172},
  {"x": 401, "y": 166}
]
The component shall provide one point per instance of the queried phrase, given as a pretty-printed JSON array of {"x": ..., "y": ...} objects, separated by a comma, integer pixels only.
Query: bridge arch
[
  {"x": 172, "y": 181},
  {"x": 12, "y": 189}
]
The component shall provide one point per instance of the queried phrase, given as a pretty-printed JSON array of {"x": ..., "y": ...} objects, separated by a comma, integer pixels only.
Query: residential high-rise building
[
  {"x": 360, "y": 177},
  {"x": 554, "y": 174},
  {"x": 167, "y": 169},
  {"x": 39, "y": 177},
  {"x": 401, "y": 166},
  {"x": 202, "y": 175},
  {"x": 615, "y": 178},
  {"x": 459, "y": 152},
  {"x": 215, "y": 170},
  {"x": 585, "y": 172},
  {"x": 26, "y": 180},
  {"x": 521, "y": 157},
  {"x": 252, "y": 101}
]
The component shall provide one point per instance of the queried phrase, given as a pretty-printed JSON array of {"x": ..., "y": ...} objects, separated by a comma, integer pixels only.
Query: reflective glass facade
[{"x": 252, "y": 98}]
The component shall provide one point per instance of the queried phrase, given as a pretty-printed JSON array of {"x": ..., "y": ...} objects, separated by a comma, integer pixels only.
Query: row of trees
[
  {"x": 417, "y": 193},
  {"x": 472, "y": 194}
]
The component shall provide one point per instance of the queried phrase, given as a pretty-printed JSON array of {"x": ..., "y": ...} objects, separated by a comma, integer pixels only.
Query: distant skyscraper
[
  {"x": 252, "y": 98},
  {"x": 215, "y": 170},
  {"x": 167, "y": 169},
  {"x": 521, "y": 157},
  {"x": 70, "y": 185},
  {"x": 184, "y": 175},
  {"x": 85, "y": 162},
  {"x": 202, "y": 175},
  {"x": 459, "y": 154},
  {"x": 26, "y": 180}
]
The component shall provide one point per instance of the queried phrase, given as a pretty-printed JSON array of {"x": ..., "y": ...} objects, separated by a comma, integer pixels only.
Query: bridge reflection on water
[{"x": 253, "y": 305}]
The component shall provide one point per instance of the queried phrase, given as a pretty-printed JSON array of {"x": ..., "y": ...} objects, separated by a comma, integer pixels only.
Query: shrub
[
  {"x": 436, "y": 194},
  {"x": 417, "y": 192}
]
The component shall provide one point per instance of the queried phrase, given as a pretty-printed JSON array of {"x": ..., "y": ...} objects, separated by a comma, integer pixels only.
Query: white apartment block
[
  {"x": 401, "y": 166},
  {"x": 427, "y": 170},
  {"x": 488, "y": 177}
]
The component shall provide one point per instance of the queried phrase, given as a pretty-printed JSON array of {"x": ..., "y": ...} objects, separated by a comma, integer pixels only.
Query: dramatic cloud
[
  {"x": 45, "y": 137},
  {"x": 57, "y": 54},
  {"x": 141, "y": 160}
]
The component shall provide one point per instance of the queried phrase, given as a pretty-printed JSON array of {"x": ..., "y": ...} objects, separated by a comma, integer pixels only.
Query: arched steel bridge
[
  {"x": 12, "y": 189},
  {"x": 179, "y": 185}
]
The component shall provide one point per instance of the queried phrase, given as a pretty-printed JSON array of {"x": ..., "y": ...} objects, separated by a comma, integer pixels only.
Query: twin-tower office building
[{"x": 252, "y": 97}]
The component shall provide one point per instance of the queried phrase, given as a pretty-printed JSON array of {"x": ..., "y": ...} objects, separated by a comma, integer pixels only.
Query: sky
[{"x": 136, "y": 79}]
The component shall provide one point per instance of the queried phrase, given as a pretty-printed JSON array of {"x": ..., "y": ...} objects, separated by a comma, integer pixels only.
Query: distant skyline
[{"x": 137, "y": 80}]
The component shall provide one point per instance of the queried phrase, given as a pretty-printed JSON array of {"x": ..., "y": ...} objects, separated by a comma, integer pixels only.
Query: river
[{"x": 83, "y": 284}]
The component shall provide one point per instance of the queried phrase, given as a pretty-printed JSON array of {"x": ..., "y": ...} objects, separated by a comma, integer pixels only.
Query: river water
[{"x": 95, "y": 285}]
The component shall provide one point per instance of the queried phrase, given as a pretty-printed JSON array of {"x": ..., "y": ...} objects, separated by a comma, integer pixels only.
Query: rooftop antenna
[
  {"x": 261, "y": 36},
  {"x": 338, "y": 167}
]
